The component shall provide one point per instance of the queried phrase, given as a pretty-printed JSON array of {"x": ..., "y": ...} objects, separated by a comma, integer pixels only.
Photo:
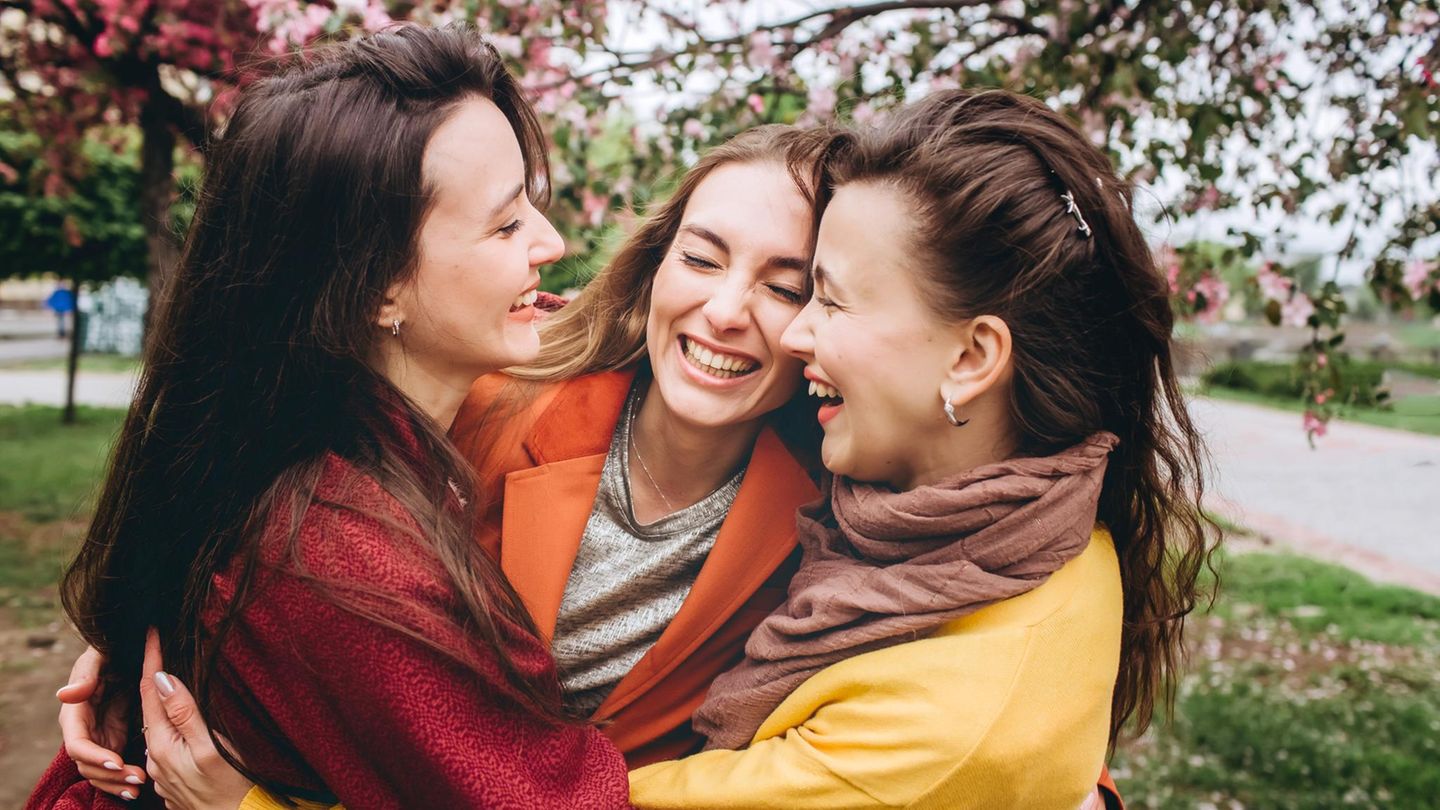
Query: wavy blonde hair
[{"x": 604, "y": 327}]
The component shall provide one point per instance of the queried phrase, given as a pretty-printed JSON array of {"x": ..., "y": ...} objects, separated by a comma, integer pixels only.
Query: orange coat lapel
[
  {"x": 756, "y": 537},
  {"x": 547, "y": 505}
]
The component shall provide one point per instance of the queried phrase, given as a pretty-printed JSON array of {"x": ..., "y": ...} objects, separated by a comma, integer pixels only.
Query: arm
[
  {"x": 374, "y": 712},
  {"x": 943, "y": 722}
]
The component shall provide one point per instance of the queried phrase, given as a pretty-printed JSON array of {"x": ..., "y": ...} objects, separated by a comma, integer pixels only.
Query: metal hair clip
[{"x": 1074, "y": 210}]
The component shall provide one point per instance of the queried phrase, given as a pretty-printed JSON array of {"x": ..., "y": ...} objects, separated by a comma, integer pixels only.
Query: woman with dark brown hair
[
  {"x": 997, "y": 583},
  {"x": 284, "y": 506}
]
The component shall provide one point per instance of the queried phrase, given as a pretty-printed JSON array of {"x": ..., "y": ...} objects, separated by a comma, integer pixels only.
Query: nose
[
  {"x": 798, "y": 339},
  {"x": 548, "y": 246},
  {"x": 728, "y": 308}
]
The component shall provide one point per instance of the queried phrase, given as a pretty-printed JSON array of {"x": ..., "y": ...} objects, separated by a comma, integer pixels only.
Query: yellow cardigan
[{"x": 1006, "y": 707}]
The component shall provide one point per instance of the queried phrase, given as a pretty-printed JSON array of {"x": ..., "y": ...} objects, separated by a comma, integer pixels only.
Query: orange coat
[{"x": 545, "y": 462}]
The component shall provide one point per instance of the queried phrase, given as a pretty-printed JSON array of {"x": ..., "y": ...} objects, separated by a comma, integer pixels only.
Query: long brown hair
[
  {"x": 1091, "y": 320},
  {"x": 310, "y": 209}
]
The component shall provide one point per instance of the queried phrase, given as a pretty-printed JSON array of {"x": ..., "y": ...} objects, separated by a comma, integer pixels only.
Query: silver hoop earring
[
  {"x": 395, "y": 327},
  {"x": 955, "y": 421}
]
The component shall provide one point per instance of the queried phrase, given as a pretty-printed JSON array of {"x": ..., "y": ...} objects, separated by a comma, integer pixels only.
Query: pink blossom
[
  {"x": 103, "y": 48},
  {"x": 1314, "y": 424},
  {"x": 8, "y": 172},
  {"x": 1417, "y": 279},
  {"x": 1273, "y": 286},
  {"x": 693, "y": 128},
  {"x": 822, "y": 99},
  {"x": 594, "y": 206},
  {"x": 1322, "y": 360},
  {"x": 1297, "y": 311},
  {"x": 761, "y": 54},
  {"x": 757, "y": 104},
  {"x": 862, "y": 112},
  {"x": 1215, "y": 293}
]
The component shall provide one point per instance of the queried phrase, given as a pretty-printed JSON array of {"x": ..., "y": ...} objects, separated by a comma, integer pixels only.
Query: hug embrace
[{"x": 859, "y": 476}]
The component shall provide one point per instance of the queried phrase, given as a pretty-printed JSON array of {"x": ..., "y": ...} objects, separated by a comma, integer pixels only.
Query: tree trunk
[
  {"x": 157, "y": 190},
  {"x": 72, "y": 365}
]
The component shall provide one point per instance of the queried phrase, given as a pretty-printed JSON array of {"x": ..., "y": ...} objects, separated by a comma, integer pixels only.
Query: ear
[
  {"x": 393, "y": 308},
  {"x": 981, "y": 360}
]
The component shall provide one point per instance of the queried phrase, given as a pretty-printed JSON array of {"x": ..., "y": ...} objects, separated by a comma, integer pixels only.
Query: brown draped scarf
[{"x": 881, "y": 568}]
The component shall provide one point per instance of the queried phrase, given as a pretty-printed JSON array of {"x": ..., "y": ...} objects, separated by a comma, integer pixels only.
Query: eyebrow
[
  {"x": 509, "y": 198},
  {"x": 821, "y": 277},
  {"x": 780, "y": 262}
]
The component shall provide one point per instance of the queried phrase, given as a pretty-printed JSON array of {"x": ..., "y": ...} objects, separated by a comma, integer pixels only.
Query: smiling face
[
  {"x": 868, "y": 336},
  {"x": 468, "y": 309},
  {"x": 730, "y": 283}
]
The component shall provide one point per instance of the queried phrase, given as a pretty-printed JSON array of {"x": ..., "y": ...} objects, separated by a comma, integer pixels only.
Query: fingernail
[
  {"x": 110, "y": 765},
  {"x": 127, "y": 795},
  {"x": 134, "y": 780},
  {"x": 163, "y": 683},
  {"x": 62, "y": 689}
]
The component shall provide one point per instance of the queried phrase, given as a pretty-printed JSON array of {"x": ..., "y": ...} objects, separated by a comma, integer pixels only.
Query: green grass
[
  {"x": 1310, "y": 687},
  {"x": 48, "y": 470},
  {"x": 101, "y": 363},
  {"x": 48, "y": 476},
  {"x": 1415, "y": 414}
]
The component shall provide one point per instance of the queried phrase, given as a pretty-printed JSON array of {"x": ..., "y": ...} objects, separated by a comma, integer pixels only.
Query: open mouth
[
  {"x": 827, "y": 394},
  {"x": 717, "y": 364},
  {"x": 525, "y": 299}
]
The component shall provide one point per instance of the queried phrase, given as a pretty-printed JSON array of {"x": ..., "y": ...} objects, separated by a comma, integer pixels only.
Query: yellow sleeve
[
  {"x": 260, "y": 799},
  {"x": 855, "y": 735}
]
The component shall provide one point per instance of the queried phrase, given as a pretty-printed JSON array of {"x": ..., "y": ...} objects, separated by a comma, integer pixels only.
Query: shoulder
[
  {"x": 990, "y": 695},
  {"x": 353, "y": 533}
]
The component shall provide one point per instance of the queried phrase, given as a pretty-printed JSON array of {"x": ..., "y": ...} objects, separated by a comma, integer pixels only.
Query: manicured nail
[
  {"x": 127, "y": 795},
  {"x": 163, "y": 683},
  {"x": 110, "y": 765},
  {"x": 62, "y": 689},
  {"x": 134, "y": 780}
]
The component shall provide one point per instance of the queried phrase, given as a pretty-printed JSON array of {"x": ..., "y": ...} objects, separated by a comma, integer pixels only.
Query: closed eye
[
  {"x": 787, "y": 293},
  {"x": 513, "y": 227},
  {"x": 695, "y": 261}
]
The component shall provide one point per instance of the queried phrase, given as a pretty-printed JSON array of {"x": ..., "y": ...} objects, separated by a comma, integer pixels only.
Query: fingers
[
  {"x": 100, "y": 766},
  {"x": 84, "y": 677},
  {"x": 180, "y": 712}
]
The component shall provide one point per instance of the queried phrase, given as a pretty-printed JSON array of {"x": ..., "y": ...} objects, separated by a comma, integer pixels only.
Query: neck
[
  {"x": 988, "y": 438},
  {"x": 438, "y": 393},
  {"x": 688, "y": 461}
]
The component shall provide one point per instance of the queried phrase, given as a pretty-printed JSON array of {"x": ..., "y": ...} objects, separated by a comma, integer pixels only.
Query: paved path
[
  {"x": 45, "y": 347},
  {"x": 1367, "y": 497},
  {"x": 47, "y": 387}
]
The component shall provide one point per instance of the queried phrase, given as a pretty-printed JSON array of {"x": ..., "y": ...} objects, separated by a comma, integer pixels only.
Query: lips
[{"x": 716, "y": 362}]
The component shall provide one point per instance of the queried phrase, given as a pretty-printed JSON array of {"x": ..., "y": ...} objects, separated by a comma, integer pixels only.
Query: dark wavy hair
[
  {"x": 310, "y": 209},
  {"x": 1091, "y": 321}
]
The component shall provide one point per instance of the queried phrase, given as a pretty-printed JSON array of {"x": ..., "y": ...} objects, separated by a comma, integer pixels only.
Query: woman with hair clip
[
  {"x": 284, "y": 507},
  {"x": 996, "y": 585}
]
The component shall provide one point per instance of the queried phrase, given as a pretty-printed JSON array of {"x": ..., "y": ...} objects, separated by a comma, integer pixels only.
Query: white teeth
[
  {"x": 525, "y": 299},
  {"x": 819, "y": 389},
  {"x": 724, "y": 366}
]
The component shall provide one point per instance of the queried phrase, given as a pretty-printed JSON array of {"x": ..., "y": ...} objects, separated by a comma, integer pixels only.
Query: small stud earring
[
  {"x": 395, "y": 327},
  {"x": 955, "y": 421}
]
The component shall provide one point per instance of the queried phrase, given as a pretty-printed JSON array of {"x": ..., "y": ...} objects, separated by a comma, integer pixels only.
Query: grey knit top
[{"x": 629, "y": 579}]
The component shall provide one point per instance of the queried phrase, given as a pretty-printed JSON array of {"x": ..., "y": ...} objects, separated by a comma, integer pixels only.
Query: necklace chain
[{"x": 635, "y": 447}]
